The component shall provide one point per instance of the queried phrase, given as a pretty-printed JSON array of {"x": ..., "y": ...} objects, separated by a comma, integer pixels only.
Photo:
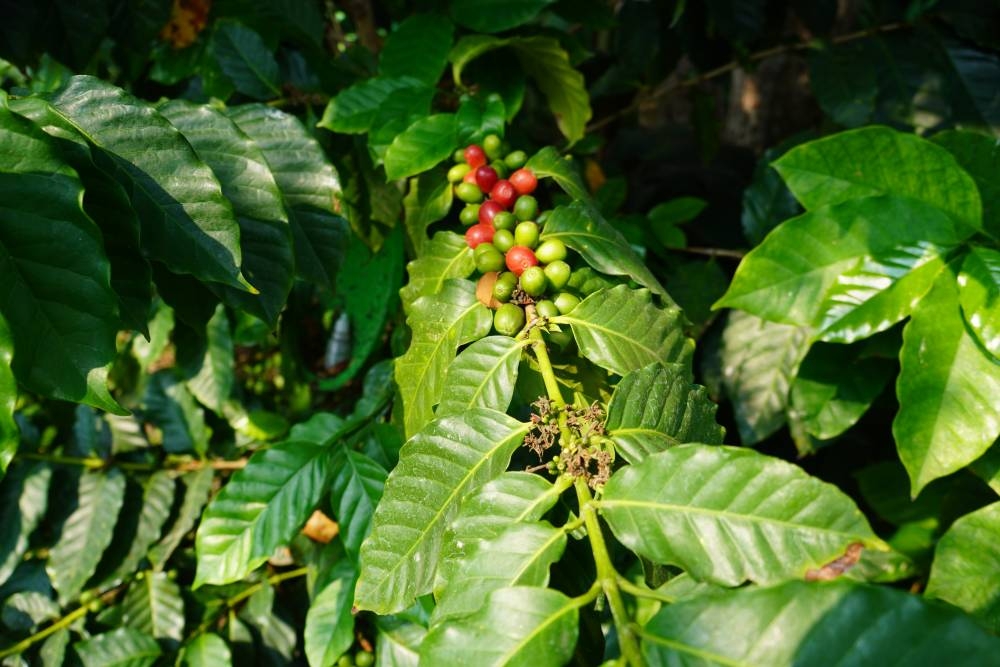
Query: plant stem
[
  {"x": 608, "y": 577},
  {"x": 96, "y": 463},
  {"x": 640, "y": 592},
  {"x": 545, "y": 367},
  {"x": 230, "y": 603}
]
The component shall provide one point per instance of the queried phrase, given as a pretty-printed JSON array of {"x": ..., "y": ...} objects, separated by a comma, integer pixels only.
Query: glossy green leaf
[
  {"x": 353, "y": 109},
  {"x": 988, "y": 468},
  {"x": 656, "y": 407},
  {"x": 729, "y": 515},
  {"x": 198, "y": 485},
  {"x": 214, "y": 381},
  {"x": 123, "y": 647},
  {"x": 244, "y": 57},
  {"x": 309, "y": 184},
  {"x": 418, "y": 47},
  {"x": 401, "y": 109},
  {"x": 428, "y": 200},
  {"x": 515, "y": 627},
  {"x": 979, "y": 155},
  {"x": 548, "y": 163},
  {"x": 9, "y": 433},
  {"x": 261, "y": 508},
  {"x": 520, "y": 556},
  {"x": 187, "y": 223},
  {"x": 839, "y": 622},
  {"x": 759, "y": 360},
  {"x": 440, "y": 324},
  {"x": 979, "y": 294},
  {"x": 876, "y": 161},
  {"x": 206, "y": 650},
  {"x": 966, "y": 558},
  {"x": 850, "y": 270},
  {"x": 329, "y": 629},
  {"x": 355, "y": 490},
  {"x": 470, "y": 47},
  {"x": 622, "y": 330},
  {"x": 421, "y": 146},
  {"x": 169, "y": 405},
  {"x": 24, "y": 498},
  {"x": 479, "y": 116},
  {"x": 446, "y": 460},
  {"x": 583, "y": 229},
  {"x": 447, "y": 256},
  {"x": 496, "y": 15},
  {"x": 248, "y": 184},
  {"x": 482, "y": 375},
  {"x": 154, "y": 606},
  {"x": 398, "y": 642},
  {"x": 947, "y": 388},
  {"x": 157, "y": 501},
  {"x": 87, "y": 532}
]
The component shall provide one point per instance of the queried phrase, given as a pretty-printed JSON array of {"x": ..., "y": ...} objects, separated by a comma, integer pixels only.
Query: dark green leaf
[
  {"x": 214, "y": 381},
  {"x": 154, "y": 606},
  {"x": 947, "y": 388},
  {"x": 480, "y": 116},
  {"x": 355, "y": 490},
  {"x": 447, "y": 256},
  {"x": 8, "y": 398},
  {"x": 198, "y": 485},
  {"x": 401, "y": 109},
  {"x": 979, "y": 155},
  {"x": 482, "y": 375},
  {"x": 169, "y": 405},
  {"x": 123, "y": 647},
  {"x": 496, "y": 15},
  {"x": 24, "y": 498},
  {"x": 813, "y": 624},
  {"x": 421, "y": 146},
  {"x": 329, "y": 629},
  {"x": 767, "y": 202},
  {"x": 979, "y": 294},
  {"x": 428, "y": 200},
  {"x": 656, "y": 407},
  {"x": 353, "y": 109},
  {"x": 246, "y": 60},
  {"x": 547, "y": 163},
  {"x": 545, "y": 61},
  {"x": 844, "y": 88},
  {"x": 206, "y": 650},
  {"x": 729, "y": 515},
  {"x": 987, "y": 467},
  {"x": 157, "y": 501},
  {"x": 418, "y": 47}
]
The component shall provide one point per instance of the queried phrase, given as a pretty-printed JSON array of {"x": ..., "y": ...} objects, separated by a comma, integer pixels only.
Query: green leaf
[
  {"x": 154, "y": 606},
  {"x": 759, "y": 360},
  {"x": 214, "y": 381},
  {"x": 353, "y": 110},
  {"x": 850, "y": 270},
  {"x": 421, "y": 146},
  {"x": 9, "y": 433},
  {"x": 418, "y": 47},
  {"x": 399, "y": 111},
  {"x": 964, "y": 562},
  {"x": 979, "y": 294},
  {"x": 799, "y": 623},
  {"x": 187, "y": 223},
  {"x": 520, "y": 556},
  {"x": 169, "y": 405},
  {"x": 123, "y": 647},
  {"x": 544, "y": 634},
  {"x": 428, "y": 200},
  {"x": 329, "y": 629},
  {"x": 620, "y": 329},
  {"x": 469, "y": 48},
  {"x": 24, "y": 499},
  {"x": 987, "y": 468},
  {"x": 767, "y": 201},
  {"x": 206, "y": 650},
  {"x": 482, "y": 375},
  {"x": 398, "y": 642},
  {"x": 87, "y": 532},
  {"x": 450, "y": 457},
  {"x": 879, "y": 161},
  {"x": 582, "y": 228},
  {"x": 198, "y": 485},
  {"x": 480, "y": 116},
  {"x": 248, "y": 184},
  {"x": 307, "y": 181},
  {"x": 729, "y": 515},
  {"x": 261, "y": 508},
  {"x": 548, "y": 163},
  {"x": 845, "y": 91},
  {"x": 947, "y": 388},
  {"x": 60, "y": 311},
  {"x": 24, "y": 611},
  {"x": 656, "y": 407},
  {"x": 355, "y": 490},
  {"x": 440, "y": 324},
  {"x": 496, "y": 15},
  {"x": 157, "y": 501},
  {"x": 979, "y": 155},
  {"x": 447, "y": 256},
  {"x": 244, "y": 57}
]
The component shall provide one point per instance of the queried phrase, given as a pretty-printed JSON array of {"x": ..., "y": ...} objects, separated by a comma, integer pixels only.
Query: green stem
[
  {"x": 230, "y": 603},
  {"x": 640, "y": 592},
  {"x": 608, "y": 577},
  {"x": 545, "y": 367}
]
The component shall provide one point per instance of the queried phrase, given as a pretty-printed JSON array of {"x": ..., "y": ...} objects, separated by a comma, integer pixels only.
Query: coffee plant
[{"x": 479, "y": 333}]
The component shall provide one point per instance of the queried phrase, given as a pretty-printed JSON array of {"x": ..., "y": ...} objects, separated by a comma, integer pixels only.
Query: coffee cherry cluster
[{"x": 504, "y": 227}]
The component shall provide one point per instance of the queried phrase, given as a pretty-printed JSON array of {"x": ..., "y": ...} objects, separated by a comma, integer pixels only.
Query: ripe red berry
[
  {"x": 475, "y": 156},
  {"x": 524, "y": 181},
  {"x": 477, "y": 234},
  {"x": 503, "y": 193},
  {"x": 520, "y": 258},
  {"x": 486, "y": 177},
  {"x": 488, "y": 210}
]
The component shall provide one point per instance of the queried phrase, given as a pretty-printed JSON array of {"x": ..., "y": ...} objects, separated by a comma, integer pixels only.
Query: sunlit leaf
[
  {"x": 979, "y": 294},
  {"x": 123, "y": 647},
  {"x": 482, "y": 375},
  {"x": 446, "y": 256},
  {"x": 353, "y": 109},
  {"x": 329, "y": 629},
  {"x": 8, "y": 398},
  {"x": 421, "y": 146},
  {"x": 157, "y": 501},
  {"x": 154, "y": 606},
  {"x": 24, "y": 497},
  {"x": 206, "y": 650},
  {"x": 197, "y": 485},
  {"x": 355, "y": 490}
]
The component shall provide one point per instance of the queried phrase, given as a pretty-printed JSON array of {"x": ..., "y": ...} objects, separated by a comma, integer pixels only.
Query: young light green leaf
[
  {"x": 729, "y": 515},
  {"x": 482, "y": 375},
  {"x": 515, "y": 627},
  {"x": 8, "y": 398},
  {"x": 520, "y": 556},
  {"x": 582, "y": 228},
  {"x": 947, "y": 388},
  {"x": 24, "y": 498},
  {"x": 850, "y": 270},
  {"x": 620, "y": 329},
  {"x": 418, "y": 47},
  {"x": 439, "y": 465},
  {"x": 440, "y": 324},
  {"x": 123, "y": 647},
  {"x": 353, "y": 109},
  {"x": 979, "y": 294},
  {"x": 198, "y": 485},
  {"x": 154, "y": 606},
  {"x": 428, "y": 200},
  {"x": 874, "y": 161},
  {"x": 244, "y": 57},
  {"x": 447, "y": 256},
  {"x": 421, "y": 146},
  {"x": 656, "y": 407},
  {"x": 839, "y": 622},
  {"x": 206, "y": 650},
  {"x": 965, "y": 560},
  {"x": 261, "y": 508},
  {"x": 355, "y": 490},
  {"x": 329, "y": 629},
  {"x": 87, "y": 532},
  {"x": 979, "y": 155},
  {"x": 496, "y": 15},
  {"x": 157, "y": 501}
]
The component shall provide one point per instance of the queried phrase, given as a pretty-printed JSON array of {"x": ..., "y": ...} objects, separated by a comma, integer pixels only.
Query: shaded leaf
[
  {"x": 428, "y": 200},
  {"x": 353, "y": 109},
  {"x": 244, "y": 57},
  {"x": 398, "y": 642},
  {"x": 169, "y": 405},
  {"x": 480, "y": 116},
  {"x": 153, "y": 605},
  {"x": 548, "y": 163},
  {"x": 24, "y": 611},
  {"x": 979, "y": 155},
  {"x": 9, "y": 433},
  {"x": 418, "y": 47},
  {"x": 214, "y": 381},
  {"x": 24, "y": 498},
  {"x": 198, "y": 485},
  {"x": 157, "y": 501},
  {"x": 123, "y": 647},
  {"x": 355, "y": 490},
  {"x": 482, "y": 375},
  {"x": 496, "y": 15},
  {"x": 767, "y": 201},
  {"x": 845, "y": 91},
  {"x": 329, "y": 629}
]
